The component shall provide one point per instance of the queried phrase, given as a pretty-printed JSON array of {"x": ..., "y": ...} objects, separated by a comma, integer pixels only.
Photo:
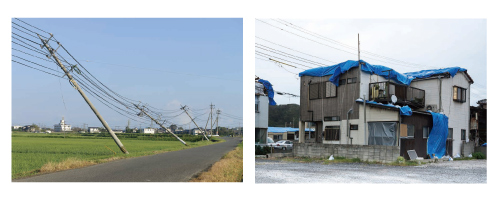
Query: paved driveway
[{"x": 276, "y": 171}]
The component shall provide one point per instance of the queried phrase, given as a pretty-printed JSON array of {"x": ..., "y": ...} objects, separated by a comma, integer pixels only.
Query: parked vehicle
[
  {"x": 270, "y": 142},
  {"x": 283, "y": 144}
]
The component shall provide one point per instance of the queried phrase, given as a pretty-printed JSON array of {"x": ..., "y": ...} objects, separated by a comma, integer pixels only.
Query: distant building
[
  {"x": 17, "y": 127},
  {"x": 148, "y": 130},
  {"x": 62, "y": 126},
  {"x": 93, "y": 130}
]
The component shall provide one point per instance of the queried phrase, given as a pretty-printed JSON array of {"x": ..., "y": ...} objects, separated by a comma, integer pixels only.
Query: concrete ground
[{"x": 277, "y": 171}]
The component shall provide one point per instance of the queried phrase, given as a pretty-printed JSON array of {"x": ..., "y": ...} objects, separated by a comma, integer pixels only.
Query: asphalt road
[
  {"x": 176, "y": 166},
  {"x": 277, "y": 171}
]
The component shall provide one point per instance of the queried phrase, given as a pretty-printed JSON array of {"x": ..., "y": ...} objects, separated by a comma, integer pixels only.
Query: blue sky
[{"x": 161, "y": 62}]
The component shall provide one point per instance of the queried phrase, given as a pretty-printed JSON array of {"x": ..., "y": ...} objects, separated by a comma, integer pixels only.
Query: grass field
[
  {"x": 228, "y": 169},
  {"x": 32, "y": 151}
]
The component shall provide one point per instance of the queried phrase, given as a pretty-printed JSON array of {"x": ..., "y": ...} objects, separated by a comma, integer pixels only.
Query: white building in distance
[
  {"x": 148, "y": 130},
  {"x": 62, "y": 127}
]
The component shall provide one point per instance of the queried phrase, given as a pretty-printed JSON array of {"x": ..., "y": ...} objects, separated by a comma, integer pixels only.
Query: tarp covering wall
[
  {"x": 336, "y": 70},
  {"x": 436, "y": 142},
  {"x": 270, "y": 91},
  {"x": 405, "y": 110},
  {"x": 382, "y": 133}
]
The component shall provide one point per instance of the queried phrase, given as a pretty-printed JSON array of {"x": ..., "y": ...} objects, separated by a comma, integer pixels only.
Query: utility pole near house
[
  {"x": 161, "y": 125},
  {"x": 184, "y": 108},
  {"x": 75, "y": 85}
]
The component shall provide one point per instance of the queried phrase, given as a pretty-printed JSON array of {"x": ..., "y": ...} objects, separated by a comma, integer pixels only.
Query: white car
[
  {"x": 283, "y": 144},
  {"x": 270, "y": 142}
]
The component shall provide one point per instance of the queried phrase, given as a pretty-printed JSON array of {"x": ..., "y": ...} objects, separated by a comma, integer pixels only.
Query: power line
[{"x": 269, "y": 49}]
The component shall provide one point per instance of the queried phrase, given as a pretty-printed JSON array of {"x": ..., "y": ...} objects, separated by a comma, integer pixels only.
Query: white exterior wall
[
  {"x": 93, "y": 130},
  {"x": 457, "y": 113},
  {"x": 148, "y": 130},
  {"x": 261, "y": 117},
  {"x": 358, "y": 136}
]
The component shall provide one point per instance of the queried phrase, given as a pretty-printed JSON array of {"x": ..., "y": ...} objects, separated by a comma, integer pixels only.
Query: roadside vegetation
[
  {"x": 228, "y": 169},
  {"x": 34, "y": 153}
]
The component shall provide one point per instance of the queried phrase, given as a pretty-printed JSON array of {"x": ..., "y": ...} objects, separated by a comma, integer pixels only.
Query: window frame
[
  {"x": 342, "y": 82},
  {"x": 326, "y": 89},
  {"x": 352, "y": 80},
  {"x": 450, "y": 136},
  {"x": 424, "y": 133},
  {"x": 412, "y": 130},
  {"x": 353, "y": 127},
  {"x": 331, "y": 118},
  {"x": 318, "y": 92},
  {"x": 463, "y": 134},
  {"x": 459, "y": 94},
  {"x": 257, "y": 104},
  {"x": 333, "y": 135}
]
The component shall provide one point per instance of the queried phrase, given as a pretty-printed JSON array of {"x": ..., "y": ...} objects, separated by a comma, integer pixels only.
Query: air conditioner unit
[{"x": 432, "y": 107}]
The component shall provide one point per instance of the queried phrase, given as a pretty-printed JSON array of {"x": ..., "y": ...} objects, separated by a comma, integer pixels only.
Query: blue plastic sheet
[
  {"x": 436, "y": 142},
  {"x": 270, "y": 91},
  {"x": 336, "y": 70},
  {"x": 405, "y": 110},
  {"x": 284, "y": 129}
]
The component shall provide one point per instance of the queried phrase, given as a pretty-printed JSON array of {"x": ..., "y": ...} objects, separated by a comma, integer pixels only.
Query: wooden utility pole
[
  {"x": 75, "y": 85},
  {"x": 184, "y": 108},
  {"x": 156, "y": 121},
  {"x": 217, "y": 120},
  {"x": 211, "y": 125}
]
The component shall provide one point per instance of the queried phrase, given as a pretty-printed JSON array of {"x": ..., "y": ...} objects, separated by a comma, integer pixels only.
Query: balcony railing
[{"x": 406, "y": 95}]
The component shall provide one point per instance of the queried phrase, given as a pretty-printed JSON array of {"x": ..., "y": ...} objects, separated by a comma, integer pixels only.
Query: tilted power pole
[
  {"x": 156, "y": 121},
  {"x": 75, "y": 85},
  {"x": 211, "y": 126},
  {"x": 184, "y": 108},
  {"x": 217, "y": 120}
]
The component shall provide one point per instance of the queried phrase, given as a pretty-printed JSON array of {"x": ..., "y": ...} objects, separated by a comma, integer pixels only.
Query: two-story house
[
  {"x": 361, "y": 104},
  {"x": 264, "y": 95}
]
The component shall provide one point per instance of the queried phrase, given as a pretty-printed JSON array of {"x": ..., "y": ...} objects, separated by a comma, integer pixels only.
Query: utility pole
[
  {"x": 211, "y": 126},
  {"x": 153, "y": 119},
  {"x": 184, "y": 108},
  {"x": 217, "y": 120},
  {"x": 75, "y": 85}
]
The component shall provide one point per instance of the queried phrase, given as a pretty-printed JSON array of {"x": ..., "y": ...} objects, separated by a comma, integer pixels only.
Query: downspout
[
  {"x": 365, "y": 127},
  {"x": 440, "y": 88},
  {"x": 348, "y": 128}
]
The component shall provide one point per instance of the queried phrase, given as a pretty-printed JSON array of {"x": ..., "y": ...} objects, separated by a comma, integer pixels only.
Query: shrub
[
  {"x": 259, "y": 150},
  {"x": 478, "y": 155},
  {"x": 267, "y": 150},
  {"x": 400, "y": 159}
]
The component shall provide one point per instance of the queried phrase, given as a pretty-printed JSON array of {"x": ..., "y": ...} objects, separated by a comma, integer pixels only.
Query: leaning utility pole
[
  {"x": 217, "y": 120},
  {"x": 153, "y": 119},
  {"x": 75, "y": 85},
  {"x": 184, "y": 108},
  {"x": 211, "y": 126}
]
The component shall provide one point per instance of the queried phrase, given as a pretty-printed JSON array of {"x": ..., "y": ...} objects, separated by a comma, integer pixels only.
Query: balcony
[{"x": 406, "y": 95}]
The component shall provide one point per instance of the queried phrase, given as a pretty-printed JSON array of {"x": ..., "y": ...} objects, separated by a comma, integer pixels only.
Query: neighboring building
[
  {"x": 94, "y": 130},
  {"x": 287, "y": 133},
  {"x": 48, "y": 131},
  {"x": 17, "y": 127},
  {"x": 263, "y": 95},
  {"x": 28, "y": 128},
  {"x": 332, "y": 98},
  {"x": 62, "y": 126},
  {"x": 195, "y": 131},
  {"x": 478, "y": 122},
  {"x": 148, "y": 130}
]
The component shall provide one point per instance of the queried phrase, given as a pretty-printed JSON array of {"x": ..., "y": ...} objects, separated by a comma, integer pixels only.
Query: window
[
  {"x": 459, "y": 94},
  {"x": 464, "y": 133},
  {"x": 331, "y": 89},
  {"x": 450, "y": 133},
  {"x": 354, "y": 127},
  {"x": 256, "y": 104},
  {"x": 314, "y": 91},
  {"x": 334, "y": 118},
  {"x": 342, "y": 82},
  {"x": 425, "y": 133},
  {"x": 411, "y": 130},
  {"x": 332, "y": 133},
  {"x": 352, "y": 80},
  {"x": 277, "y": 137}
]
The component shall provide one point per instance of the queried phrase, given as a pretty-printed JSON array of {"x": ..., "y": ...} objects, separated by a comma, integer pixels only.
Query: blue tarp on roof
[
  {"x": 270, "y": 91},
  {"x": 336, "y": 70},
  {"x": 405, "y": 110},
  {"x": 284, "y": 129},
  {"x": 436, "y": 143}
]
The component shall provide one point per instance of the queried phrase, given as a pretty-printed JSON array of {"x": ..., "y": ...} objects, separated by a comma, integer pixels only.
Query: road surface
[
  {"x": 176, "y": 166},
  {"x": 277, "y": 171}
]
